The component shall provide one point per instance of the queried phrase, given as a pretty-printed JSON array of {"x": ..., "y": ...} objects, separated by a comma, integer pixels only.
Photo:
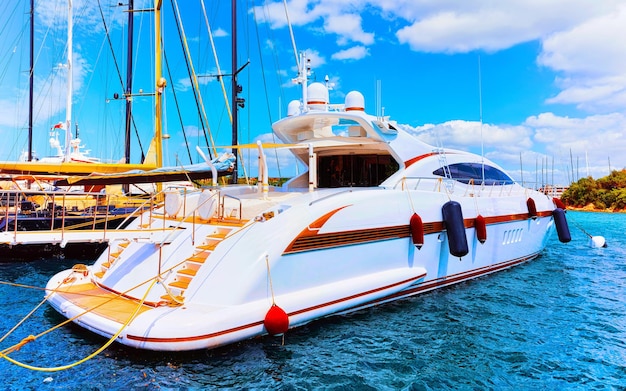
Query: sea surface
[{"x": 555, "y": 323}]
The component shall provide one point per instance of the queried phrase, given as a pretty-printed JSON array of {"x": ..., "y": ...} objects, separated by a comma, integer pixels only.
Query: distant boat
[
  {"x": 378, "y": 216},
  {"x": 47, "y": 221},
  {"x": 29, "y": 221},
  {"x": 70, "y": 159},
  {"x": 75, "y": 154}
]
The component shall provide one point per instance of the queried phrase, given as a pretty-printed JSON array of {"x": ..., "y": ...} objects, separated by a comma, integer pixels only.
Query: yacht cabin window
[{"x": 473, "y": 172}]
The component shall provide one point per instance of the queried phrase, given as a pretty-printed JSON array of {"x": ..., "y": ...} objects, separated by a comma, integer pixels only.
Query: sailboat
[
  {"x": 39, "y": 220},
  {"x": 70, "y": 159},
  {"x": 38, "y": 224},
  {"x": 377, "y": 217}
]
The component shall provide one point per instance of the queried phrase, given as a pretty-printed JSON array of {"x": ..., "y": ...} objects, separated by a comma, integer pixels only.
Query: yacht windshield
[{"x": 475, "y": 172}]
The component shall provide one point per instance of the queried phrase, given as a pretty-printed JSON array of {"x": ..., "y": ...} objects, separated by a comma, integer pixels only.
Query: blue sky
[{"x": 552, "y": 74}]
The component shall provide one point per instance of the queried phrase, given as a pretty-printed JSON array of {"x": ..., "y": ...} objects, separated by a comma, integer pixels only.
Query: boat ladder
[
  {"x": 190, "y": 267},
  {"x": 113, "y": 256}
]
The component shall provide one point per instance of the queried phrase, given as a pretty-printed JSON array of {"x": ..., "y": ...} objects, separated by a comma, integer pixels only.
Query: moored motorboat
[{"x": 378, "y": 216}]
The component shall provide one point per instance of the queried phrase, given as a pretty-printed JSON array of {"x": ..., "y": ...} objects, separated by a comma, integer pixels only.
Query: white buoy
[{"x": 598, "y": 242}]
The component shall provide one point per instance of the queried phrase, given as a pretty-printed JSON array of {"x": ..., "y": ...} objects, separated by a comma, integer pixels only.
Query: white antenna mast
[
  {"x": 379, "y": 99},
  {"x": 68, "y": 108},
  {"x": 293, "y": 39},
  {"x": 303, "y": 76},
  {"x": 480, "y": 103}
]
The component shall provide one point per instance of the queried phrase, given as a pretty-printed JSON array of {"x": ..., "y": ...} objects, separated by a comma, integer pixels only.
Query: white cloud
[
  {"x": 546, "y": 139},
  {"x": 184, "y": 84},
  {"x": 591, "y": 141},
  {"x": 590, "y": 48},
  {"x": 299, "y": 11},
  {"x": 220, "y": 32},
  {"x": 468, "y": 134},
  {"x": 193, "y": 131},
  {"x": 353, "y": 53},
  {"x": 593, "y": 60},
  {"x": 348, "y": 28},
  {"x": 317, "y": 59},
  {"x": 86, "y": 15},
  {"x": 450, "y": 27},
  {"x": 51, "y": 92},
  {"x": 597, "y": 136},
  {"x": 443, "y": 26},
  {"x": 342, "y": 19}
]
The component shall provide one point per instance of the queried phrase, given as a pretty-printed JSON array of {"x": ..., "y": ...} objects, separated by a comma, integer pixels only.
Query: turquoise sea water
[{"x": 558, "y": 322}]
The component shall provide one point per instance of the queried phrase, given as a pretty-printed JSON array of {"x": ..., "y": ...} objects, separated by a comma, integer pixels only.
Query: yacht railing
[
  {"x": 222, "y": 208},
  {"x": 52, "y": 211},
  {"x": 470, "y": 186}
]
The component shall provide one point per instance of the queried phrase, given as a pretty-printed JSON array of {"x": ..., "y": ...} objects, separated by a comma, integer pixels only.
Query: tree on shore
[{"x": 608, "y": 192}]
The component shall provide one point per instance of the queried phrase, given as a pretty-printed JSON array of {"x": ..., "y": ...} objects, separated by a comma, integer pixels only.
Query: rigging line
[
  {"x": 14, "y": 43},
  {"x": 95, "y": 64},
  {"x": 106, "y": 32},
  {"x": 193, "y": 86},
  {"x": 10, "y": 16},
  {"x": 275, "y": 56},
  {"x": 135, "y": 62},
  {"x": 193, "y": 76},
  {"x": 119, "y": 75},
  {"x": 269, "y": 112},
  {"x": 217, "y": 63},
  {"x": 180, "y": 118}
]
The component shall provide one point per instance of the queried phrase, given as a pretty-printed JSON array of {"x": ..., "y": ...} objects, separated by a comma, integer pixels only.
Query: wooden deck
[{"x": 94, "y": 299}]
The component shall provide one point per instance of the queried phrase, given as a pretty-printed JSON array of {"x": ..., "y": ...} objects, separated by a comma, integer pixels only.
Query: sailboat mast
[
  {"x": 235, "y": 88},
  {"x": 129, "y": 81},
  {"x": 30, "y": 78},
  {"x": 160, "y": 83},
  {"x": 68, "y": 107}
]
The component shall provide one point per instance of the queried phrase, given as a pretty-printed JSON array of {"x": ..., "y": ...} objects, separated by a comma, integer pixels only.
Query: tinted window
[
  {"x": 466, "y": 172},
  {"x": 354, "y": 170}
]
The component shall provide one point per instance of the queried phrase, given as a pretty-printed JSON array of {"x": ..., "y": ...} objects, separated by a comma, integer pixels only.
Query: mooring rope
[
  {"x": 269, "y": 276},
  {"x": 31, "y": 338}
]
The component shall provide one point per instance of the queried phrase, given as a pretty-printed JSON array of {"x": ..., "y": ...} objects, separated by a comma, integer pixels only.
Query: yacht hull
[{"x": 319, "y": 255}]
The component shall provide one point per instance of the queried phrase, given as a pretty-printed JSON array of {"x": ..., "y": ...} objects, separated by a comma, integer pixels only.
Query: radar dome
[
  {"x": 317, "y": 96},
  {"x": 293, "y": 108},
  {"x": 355, "y": 101}
]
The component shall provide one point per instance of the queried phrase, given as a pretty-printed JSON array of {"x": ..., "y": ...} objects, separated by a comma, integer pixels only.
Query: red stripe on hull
[
  {"x": 311, "y": 240},
  {"x": 258, "y": 323}
]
